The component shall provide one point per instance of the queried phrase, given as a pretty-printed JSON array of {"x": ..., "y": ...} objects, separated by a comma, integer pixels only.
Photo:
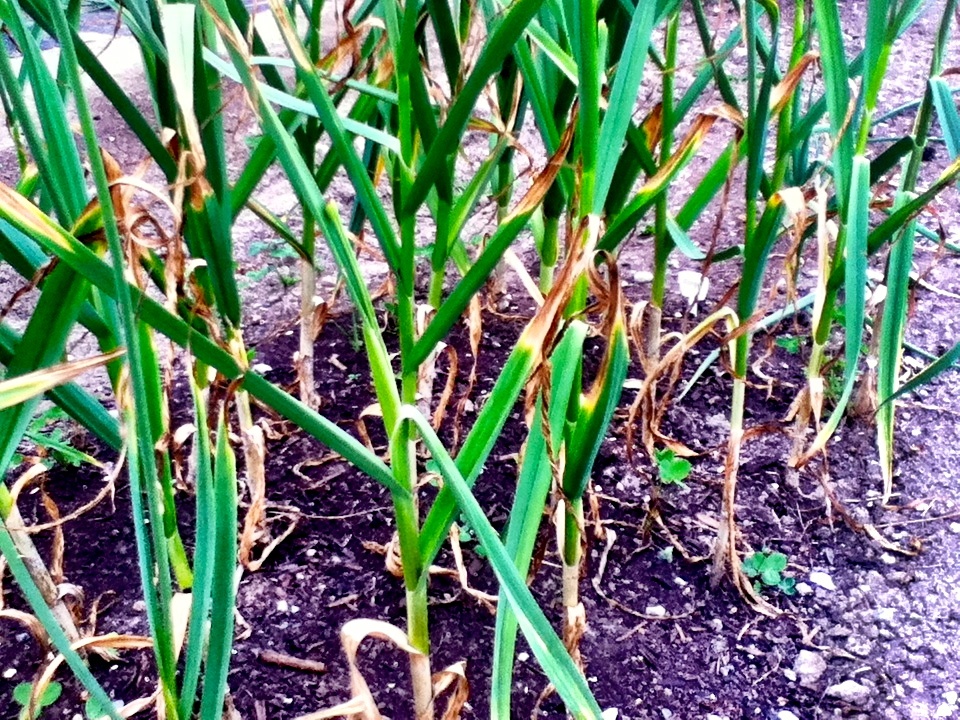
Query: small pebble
[
  {"x": 786, "y": 715},
  {"x": 821, "y": 579},
  {"x": 610, "y": 714},
  {"x": 9, "y": 673},
  {"x": 803, "y": 588},
  {"x": 945, "y": 711},
  {"x": 950, "y": 697},
  {"x": 849, "y": 691},
  {"x": 809, "y": 667},
  {"x": 955, "y": 528},
  {"x": 789, "y": 674},
  {"x": 656, "y": 611},
  {"x": 523, "y": 657},
  {"x": 282, "y": 606}
]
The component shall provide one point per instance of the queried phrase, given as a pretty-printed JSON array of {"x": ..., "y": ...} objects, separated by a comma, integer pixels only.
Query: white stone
[
  {"x": 282, "y": 606},
  {"x": 261, "y": 368},
  {"x": 786, "y": 715},
  {"x": 693, "y": 286},
  {"x": 821, "y": 579},
  {"x": 610, "y": 714},
  {"x": 955, "y": 528},
  {"x": 951, "y": 697},
  {"x": 523, "y": 657},
  {"x": 803, "y": 589},
  {"x": 9, "y": 673},
  {"x": 809, "y": 667},
  {"x": 790, "y": 674},
  {"x": 849, "y": 691},
  {"x": 885, "y": 614},
  {"x": 944, "y": 710},
  {"x": 656, "y": 611},
  {"x": 914, "y": 684}
]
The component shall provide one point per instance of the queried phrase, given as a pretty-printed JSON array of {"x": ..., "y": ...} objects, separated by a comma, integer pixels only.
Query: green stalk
[
  {"x": 787, "y": 114},
  {"x": 157, "y": 596},
  {"x": 543, "y": 641},
  {"x": 663, "y": 242},
  {"x": 895, "y": 307}
]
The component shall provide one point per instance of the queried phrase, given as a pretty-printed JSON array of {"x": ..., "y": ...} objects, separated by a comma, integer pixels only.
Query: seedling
[
  {"x": 790, "y": 343},
  {"x": 468, "y": 536},
  {"x": 673, "y": 470},
  {"x": 21, "y": 695},
  {"x": 277, "y": 255},
  {"x": 767, "y": 569}
]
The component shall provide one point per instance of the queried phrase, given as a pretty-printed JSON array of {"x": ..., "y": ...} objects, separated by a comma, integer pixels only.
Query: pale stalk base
[
  {"x": 305, "y": 357},
  {"x": 40, "y": 574},
  {"x": 254, "y": 453},
  {"x": 725, "y": 555},
  {"x": 574, "y": 614},
  {"x": 420, "y": 674},
  {"x": 427, "y": 372}
]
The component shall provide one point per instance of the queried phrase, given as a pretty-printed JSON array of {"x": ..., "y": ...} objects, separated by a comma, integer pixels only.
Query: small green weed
[
  {"x": 21, "y": 695},
  {"x": 790, "y": 343},
  {"x": 468, "y": 536},
  {"x": 767, "y": 570},
  {"x": 276, "y": 253},
  {"x": 673, "y": 470}
]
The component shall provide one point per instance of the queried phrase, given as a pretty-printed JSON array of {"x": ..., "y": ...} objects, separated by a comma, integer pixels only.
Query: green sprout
[
  {"x": 23, "y": 691},
  {"x": 673, "y": 470},
  {"x": 790, "y": 343},
  {"x": 767, "y": 570}
]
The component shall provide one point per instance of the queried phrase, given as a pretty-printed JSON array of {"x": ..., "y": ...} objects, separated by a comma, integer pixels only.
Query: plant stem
[
  {"x": 34, "y": 564},
  {"x": 549, "y": 250},
  {"x": 308, "y": 290}
]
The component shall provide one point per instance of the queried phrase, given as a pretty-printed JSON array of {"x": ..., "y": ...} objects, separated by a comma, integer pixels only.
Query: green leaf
[
  {"x": 622, "y": 97},
  {"x": 770, "y": 577},
  {"x": 945, "y": 362},
  {"x": 775, "y": 562},
  {"x": 752, "y": 564},
  {"x": 224, "y": 561},
  {"x": 790, "y": 343},
  {"x": 673, "y": 470},
  {"x": 947, "y": 112}
]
